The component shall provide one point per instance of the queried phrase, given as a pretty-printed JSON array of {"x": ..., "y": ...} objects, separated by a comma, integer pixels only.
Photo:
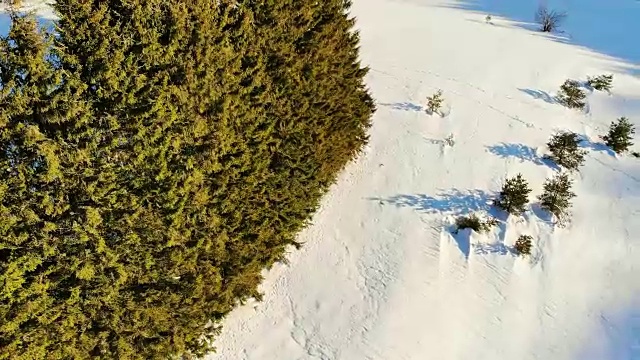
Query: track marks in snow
[{"x": 461, "y": 97}]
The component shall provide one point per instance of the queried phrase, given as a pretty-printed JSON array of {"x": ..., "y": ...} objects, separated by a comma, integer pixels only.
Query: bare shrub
[{"x": 549, "y": 20}]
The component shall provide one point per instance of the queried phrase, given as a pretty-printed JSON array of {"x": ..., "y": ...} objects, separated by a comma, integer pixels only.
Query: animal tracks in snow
[{"x": 462, "y": 97}]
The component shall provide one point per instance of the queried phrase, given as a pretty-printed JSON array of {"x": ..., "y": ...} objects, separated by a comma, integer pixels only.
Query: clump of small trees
[{"x": 555, "y": 199}]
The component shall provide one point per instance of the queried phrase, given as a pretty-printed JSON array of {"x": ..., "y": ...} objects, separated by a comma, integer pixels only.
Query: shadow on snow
[
  {"x": 495, "y": 248},
  {"x": 540, "y": 95},
  {"x": 458, "y": 203},
  {"x": 521, "y": 152},
  {"x": 403, "y": 106},
  {"x": 607, "y": 27},
  {"x": 454, "y": 202},
  {"x": 600, "y": 146}
]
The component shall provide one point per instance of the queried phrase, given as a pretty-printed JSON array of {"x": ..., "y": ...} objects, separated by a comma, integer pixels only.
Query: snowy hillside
[{"x": 381, "y": 277}]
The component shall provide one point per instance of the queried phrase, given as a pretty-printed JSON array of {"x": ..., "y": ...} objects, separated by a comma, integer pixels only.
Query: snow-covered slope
[{"x": 382, "y": 278}]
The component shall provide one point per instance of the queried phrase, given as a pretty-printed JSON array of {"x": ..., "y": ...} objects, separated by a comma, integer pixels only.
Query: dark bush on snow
[
  {"x": 514, "y": 195},
  {"x": 475, "y": 223},
  {"x": 565, "y": 150},
  {"x": 571, "y": 95},
  {"x": 601, "y": 82},
  {"x": 620, "y": 135},
  {"x": 556, "y": 197},
  {"x": 524, "y": 244},
  {"x": 549, "y": 20}
]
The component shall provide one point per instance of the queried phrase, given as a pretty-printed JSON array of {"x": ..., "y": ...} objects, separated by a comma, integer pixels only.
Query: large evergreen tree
[{"x": 158, "y": 154}]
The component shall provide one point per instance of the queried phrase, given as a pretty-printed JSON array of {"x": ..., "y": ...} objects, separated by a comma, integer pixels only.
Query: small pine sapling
[
  {"x": 475, "y": 223},
  {"x": 620, "y": 135},
  {"x": 514, "y": 195},
  {"x": 449, "y": 140},
  {"x": 524, "y": 244},
  {"x": 434, "y": 103},
  {"x": 556, "y": 197},
  {"x": 571, "y": 96},
  {"x": 601, "y": 82},
  {"x": 549, "y": 20},
  {"x": 488, "y": 19},
  {"x": 565, "y": 150}
]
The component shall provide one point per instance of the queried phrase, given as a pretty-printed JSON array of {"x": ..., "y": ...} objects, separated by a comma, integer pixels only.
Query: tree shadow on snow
[
  {"x": 586, "y": 143},
  {"x": 453, "y": 202},
  {"x": 457, "y": 203},
  {"x": 494, "y": 248},
  {"x": 403, "y": 106},
  {"x": 607, "y": 27},
  {"x": 462, "y": 239},
  {"x": 521, "y": 152},
  {"x": 543, "y": 215},
  {"x": 540, "y": 95}
]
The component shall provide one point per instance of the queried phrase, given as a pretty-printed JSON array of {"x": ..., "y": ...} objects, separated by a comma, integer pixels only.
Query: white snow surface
[{"x": 381, "y": 276}]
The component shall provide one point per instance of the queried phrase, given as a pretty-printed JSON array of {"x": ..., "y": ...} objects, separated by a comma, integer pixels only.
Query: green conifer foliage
[
  {"x": 514, "y": 195},
  {"x": 159, "y": 155},
  {"x": 620, "y": 135}
]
